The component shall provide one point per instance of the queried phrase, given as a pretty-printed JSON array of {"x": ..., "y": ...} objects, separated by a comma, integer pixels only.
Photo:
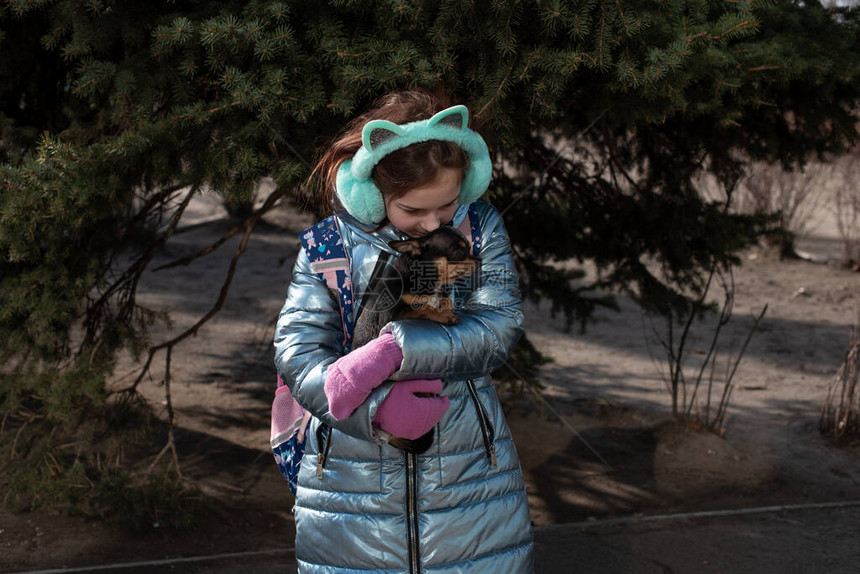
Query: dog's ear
[{"x": 407, "y": 246}]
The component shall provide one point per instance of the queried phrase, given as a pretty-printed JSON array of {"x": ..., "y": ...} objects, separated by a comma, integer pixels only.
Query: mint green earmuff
[{"x": 355, "y": 187}]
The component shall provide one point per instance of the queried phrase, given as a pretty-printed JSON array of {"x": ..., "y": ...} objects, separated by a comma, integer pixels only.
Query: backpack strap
[
  {"x": 323, "y": 244},
  {"x": 470, "y": 227}
]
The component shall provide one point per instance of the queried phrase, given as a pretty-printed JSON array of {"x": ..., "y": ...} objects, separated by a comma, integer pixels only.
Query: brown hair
[{"x": 401, "y": 170}]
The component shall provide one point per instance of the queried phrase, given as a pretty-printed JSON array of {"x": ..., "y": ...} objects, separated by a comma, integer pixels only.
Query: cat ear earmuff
[{"x": 355, "y": 187}]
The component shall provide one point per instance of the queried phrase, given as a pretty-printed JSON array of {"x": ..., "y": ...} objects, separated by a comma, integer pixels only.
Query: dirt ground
[{"x": 600, "y": 444}]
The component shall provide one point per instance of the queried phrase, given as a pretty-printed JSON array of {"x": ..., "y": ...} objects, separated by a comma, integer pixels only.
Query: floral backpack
[{"x": 324, "y": 247}]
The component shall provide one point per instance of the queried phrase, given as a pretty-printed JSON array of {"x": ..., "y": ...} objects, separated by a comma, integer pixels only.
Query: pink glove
[
  {"x": 408, "y": 416},
  {"x": 351, "y": 378}
]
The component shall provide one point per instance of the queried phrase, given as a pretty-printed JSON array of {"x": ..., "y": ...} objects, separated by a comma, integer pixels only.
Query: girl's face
[{"x": 423, "y": 209}]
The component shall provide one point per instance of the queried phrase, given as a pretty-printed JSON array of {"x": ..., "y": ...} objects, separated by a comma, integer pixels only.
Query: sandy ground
[{"x": 601, "y": 444}]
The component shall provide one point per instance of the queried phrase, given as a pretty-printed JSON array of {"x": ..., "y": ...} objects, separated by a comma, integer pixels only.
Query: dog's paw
[{"x": 417, "y": 446}]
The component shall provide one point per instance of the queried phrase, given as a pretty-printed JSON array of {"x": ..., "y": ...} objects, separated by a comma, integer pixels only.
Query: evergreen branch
[
  {"x": 209, "y": 111},
  {"x": 601, "y": 34},
  {"x": 549, "y": 166},
  {"x": 737, "y": 27},
  {"x": 495, "y": 96},
  {"x": 765, "y": 67},
  {"x": 614, "y": 163},
  {"x": 723, "y": 82}
]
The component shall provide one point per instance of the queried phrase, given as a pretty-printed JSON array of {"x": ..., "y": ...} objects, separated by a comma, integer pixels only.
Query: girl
[{"x": 401, "y": 170}]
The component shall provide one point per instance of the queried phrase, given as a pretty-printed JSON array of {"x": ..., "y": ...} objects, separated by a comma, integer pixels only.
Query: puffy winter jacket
[{"x": 361, "y": 504}]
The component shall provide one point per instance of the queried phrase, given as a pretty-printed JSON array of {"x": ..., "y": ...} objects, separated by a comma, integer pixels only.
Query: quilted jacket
[{"x": 361, "y": 504}]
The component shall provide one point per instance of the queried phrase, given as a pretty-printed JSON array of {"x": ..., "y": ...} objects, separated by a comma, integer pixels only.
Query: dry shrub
[
  {"x": 846, "y": 204},
  {"x": 794, "y": 196},
  {"x": 840, "y": 417},
  {"x": 702, "y": 397}
]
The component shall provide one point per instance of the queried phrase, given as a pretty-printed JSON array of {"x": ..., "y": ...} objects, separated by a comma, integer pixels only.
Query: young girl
[{"x": 401, "y": 170}]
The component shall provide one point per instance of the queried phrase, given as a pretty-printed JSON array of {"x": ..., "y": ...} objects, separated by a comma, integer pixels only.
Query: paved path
[{"x": 808, "y": 539}]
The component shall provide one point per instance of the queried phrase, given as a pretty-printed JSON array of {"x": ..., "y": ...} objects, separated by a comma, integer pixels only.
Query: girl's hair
[{"x": 401, "y": 170}]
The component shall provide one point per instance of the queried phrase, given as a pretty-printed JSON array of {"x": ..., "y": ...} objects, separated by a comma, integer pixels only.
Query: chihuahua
[{"x": 414, "y": 286}]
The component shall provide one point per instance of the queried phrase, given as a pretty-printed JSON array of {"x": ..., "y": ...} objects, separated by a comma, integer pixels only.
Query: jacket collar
[{"x": 388, "y": 232}]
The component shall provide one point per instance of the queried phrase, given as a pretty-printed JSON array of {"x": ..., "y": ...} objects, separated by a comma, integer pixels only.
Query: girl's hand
[
  {"x": 350, "y": 379},
  {"x": 406, "y": 415}
]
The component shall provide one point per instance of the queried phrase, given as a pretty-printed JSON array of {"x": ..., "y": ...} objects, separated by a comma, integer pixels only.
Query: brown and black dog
[{"x": 414, "y": 286}]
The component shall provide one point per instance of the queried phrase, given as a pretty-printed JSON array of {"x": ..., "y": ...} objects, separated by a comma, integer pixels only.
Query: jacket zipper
[
  {"x": 484, "y": 421},
  {"x": 412, "y": 512},
  {"x": 325, "y": 443}
]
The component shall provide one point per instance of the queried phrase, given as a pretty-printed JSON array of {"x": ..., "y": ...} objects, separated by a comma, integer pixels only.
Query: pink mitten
[
  {"x": 350, "y": 379},
  {"x": 405, "y": 415}
]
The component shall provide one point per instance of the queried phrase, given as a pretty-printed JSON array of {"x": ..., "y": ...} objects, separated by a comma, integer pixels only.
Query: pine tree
[{"x": 600, "y": 116}]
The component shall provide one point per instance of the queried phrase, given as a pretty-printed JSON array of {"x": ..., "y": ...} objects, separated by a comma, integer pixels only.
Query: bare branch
[
  {"x": 135, "y": 270},
  {"x": 727, "y": 389},
  {"x": 268, "y": 206},
  {"x": 171, "y": 442},
  {"x": 725, "y": 317},
  {"x": 248, "y": 225}
]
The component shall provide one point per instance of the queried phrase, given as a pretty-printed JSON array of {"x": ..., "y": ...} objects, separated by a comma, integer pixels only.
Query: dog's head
[{"x": 445, "y": 249}]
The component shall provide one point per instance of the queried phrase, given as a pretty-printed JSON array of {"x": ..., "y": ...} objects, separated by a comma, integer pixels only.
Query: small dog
[{"x": 413, "y": 287}]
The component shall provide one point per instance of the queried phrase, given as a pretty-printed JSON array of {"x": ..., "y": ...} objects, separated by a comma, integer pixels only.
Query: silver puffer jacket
[{"x": 362, "y": 505}]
